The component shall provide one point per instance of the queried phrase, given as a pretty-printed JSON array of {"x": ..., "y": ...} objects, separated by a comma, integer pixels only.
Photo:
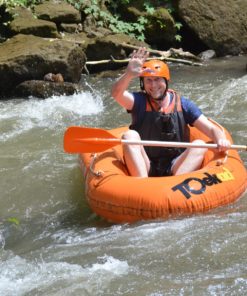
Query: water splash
[
  {"x": 19, "y": 276},
  {"x": 221, "y": 99},
  {"x": 19, "y": 116}
]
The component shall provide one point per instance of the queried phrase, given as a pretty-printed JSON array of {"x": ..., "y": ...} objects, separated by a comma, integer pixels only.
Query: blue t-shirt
[{"x": 190, "y": 110}]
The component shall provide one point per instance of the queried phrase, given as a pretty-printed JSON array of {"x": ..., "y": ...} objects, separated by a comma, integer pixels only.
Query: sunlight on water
[
  {"x": 221, "y": 99},
  {"x": 61, "y": 248},
  {"x": 41, "y": 276}
]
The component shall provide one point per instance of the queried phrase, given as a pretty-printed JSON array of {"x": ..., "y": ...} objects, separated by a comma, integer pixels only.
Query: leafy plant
[
  {"x": 14, "y": 3},
  {"x": 13, "y": 220},
  {"x": 148, "y": 6},
  {"x": 149, "y": 9},
  {"x": 178, "y": 37},
  {"x": 105, "y": 19},
  {"x": 178, "y": 25}
]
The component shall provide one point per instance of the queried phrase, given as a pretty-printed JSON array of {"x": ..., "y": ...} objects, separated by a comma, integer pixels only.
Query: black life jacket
[{"x": 168, "y": 125}]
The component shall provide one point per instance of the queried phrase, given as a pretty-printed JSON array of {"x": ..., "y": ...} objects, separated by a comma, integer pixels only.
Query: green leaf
[
  {"x": 13, "y": 220},
  {"x": 149, "y": 9},
  {"x": 178, "y": 38},
  {"x": 178, "y": 25}
]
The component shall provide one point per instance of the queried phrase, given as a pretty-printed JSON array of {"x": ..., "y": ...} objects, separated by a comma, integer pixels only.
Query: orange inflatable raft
[{"x": 119, "y": 198}]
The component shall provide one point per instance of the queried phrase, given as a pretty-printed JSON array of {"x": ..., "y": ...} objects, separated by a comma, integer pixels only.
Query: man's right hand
[{"x": 137, "y": 59}]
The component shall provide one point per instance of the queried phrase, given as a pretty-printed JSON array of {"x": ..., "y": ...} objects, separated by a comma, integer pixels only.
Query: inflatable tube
[{"x": 118, "y": 197}]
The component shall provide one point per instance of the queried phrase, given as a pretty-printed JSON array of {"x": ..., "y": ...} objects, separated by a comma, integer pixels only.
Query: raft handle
[
  {"x": 91, "y": 167},
  {"x": 221, "y": 162}
]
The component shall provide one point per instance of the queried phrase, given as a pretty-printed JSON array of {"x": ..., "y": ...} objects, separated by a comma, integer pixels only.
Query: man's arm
[
  {"x": 119, "y": 89},
  {"x": 213, "y": 132},
  {"x": 120, "y": 94}
]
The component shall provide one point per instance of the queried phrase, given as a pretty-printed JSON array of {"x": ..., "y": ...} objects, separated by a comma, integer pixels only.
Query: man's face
[{"x": 155, "y": 86}]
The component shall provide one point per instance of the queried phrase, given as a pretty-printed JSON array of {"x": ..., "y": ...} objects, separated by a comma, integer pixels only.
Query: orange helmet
[{"x": 157, "y": 69}]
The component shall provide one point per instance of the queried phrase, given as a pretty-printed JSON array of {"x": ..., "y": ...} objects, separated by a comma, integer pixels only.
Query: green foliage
[
  {"x": 149, "y": 9},
  {"x": 14, "y": 3},
  {"x": 13, "y": 220},
  {"x": 112, "y": 21},
  {"x": 105, "y": 19},
  {"x": 178, "y": 37},
  {"x": 178, "y": 27}
]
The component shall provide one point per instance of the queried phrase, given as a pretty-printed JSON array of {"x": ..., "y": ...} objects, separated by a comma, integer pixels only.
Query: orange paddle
[{"x": 85, "y": 140}]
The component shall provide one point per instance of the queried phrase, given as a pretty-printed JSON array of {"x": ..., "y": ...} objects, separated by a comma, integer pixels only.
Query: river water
[{"x": 52, "y": 244}]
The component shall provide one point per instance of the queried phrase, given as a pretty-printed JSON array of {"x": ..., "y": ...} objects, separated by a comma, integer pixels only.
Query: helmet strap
[{"x": 142, "y": 84}]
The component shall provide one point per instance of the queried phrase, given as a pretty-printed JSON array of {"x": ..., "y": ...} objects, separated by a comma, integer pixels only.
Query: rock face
[
  {"x": 57, "y": 12},
  {"x": 159, "y": 27},
  {"x": 27, "y": 57},
  {"x": 79, "y": 43},
  {"x": 110, "y": 47},
  {"x": 45, "y": 89},
  {"x": 24, "y": 22},
  {"x": 221, "y": 24},
  {"x": 161, "y": 34}
]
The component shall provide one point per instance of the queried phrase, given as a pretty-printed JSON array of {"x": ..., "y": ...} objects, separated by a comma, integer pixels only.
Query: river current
[{"x": 51, "y": 243}]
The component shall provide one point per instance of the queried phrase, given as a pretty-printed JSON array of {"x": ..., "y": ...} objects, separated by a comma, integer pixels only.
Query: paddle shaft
[
  {"x": 179, "y": 144},
  {"x": 116, "y": 141},
  {"x": 87, "y": 140}
]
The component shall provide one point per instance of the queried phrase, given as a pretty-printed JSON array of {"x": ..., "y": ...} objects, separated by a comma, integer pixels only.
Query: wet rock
[
  {"x": 57, "y": 12},
  {"x": 80, "y": 39},
  {"x": 45, "y": 89},
  {"x": 160, "y": 27},
  {"x": 110, "y": 47},
  {"x": 207, "y": 54},
  {"x": 24, "y": 22},
  {"x": 92, "y": 30},
  {"x": 27, "y": 57},
  {"x": 69, "y": 28},
  {"x": 221, "y": 24}
]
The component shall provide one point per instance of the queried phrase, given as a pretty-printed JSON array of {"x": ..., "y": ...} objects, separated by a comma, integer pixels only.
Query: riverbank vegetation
[
  {"x": 24, "y": 3},
  {"x": 105, "y": 13}
]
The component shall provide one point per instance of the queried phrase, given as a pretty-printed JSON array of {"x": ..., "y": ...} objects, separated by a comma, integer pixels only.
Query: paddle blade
[{"x": 85, "y": 140}]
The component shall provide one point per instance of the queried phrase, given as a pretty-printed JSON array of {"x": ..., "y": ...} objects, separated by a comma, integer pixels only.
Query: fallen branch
[
  {"x": 171, "y": 53},
  {"x": 125, "y": 61},
  {"x": 170, "y": 56},
  {"x": 159, "y": 52}
]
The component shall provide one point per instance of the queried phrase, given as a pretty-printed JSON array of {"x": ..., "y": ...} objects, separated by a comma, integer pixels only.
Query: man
[{"x": 160, "y": 114}]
